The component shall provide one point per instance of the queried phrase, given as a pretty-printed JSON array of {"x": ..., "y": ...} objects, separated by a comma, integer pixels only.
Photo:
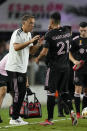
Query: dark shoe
[
  {"x": 61, "y": 115},
  {"x": 66, "y": 109},
  {"x": 1, "y": 120}
]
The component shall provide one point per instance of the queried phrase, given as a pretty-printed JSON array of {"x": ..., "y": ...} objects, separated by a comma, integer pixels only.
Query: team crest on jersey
[
  {"x": 80, "y": 42},
  {"x": 81, "y": 51}
]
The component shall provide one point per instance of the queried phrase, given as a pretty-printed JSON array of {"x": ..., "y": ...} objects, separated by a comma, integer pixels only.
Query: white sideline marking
[{"x": 33, "y": 123}]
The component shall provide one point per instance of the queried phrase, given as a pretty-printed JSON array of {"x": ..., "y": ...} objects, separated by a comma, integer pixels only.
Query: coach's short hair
[
  {"x": 83, "y": 24},
  {"x": 56, "y": 17},
  {"x": 26, "y": 17}
]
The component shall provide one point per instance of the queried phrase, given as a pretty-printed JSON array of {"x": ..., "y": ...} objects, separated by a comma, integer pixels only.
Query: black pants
[
  {"x": 57, "y": 80},
  {"x": 18, "y": 85}
]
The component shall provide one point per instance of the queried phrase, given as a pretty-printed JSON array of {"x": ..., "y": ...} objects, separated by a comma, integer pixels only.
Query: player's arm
[
  {"x": 73, "y": 48},
  {"x": 33, "y": 49},
  {"x": 41, "y": 55},
  {"x": 76, "y": 62},
  {"x": 46, "y": 46},
  {"x": 19, "y": 46},
  {"x": 43, "y": 52}
]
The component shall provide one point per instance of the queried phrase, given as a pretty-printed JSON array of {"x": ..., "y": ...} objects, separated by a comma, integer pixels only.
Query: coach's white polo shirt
[{"x": 18, "y": 60}]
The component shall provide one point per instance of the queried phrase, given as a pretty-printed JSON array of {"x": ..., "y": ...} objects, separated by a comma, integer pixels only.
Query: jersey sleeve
[
  {"x": 46, "y": 44},
  {"x": 3, "y": 61},
  {"x": 73, "y": 46},
  {"x": 16, "y": 38},
  {"x": 47, "y": 40}
]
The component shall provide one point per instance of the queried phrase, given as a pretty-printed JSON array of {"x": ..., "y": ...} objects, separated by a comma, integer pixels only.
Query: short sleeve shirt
[{"x": 18, "y": 60}]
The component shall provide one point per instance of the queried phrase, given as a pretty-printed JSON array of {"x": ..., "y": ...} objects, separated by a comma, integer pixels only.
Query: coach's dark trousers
[{"x": 18, "y": 86}]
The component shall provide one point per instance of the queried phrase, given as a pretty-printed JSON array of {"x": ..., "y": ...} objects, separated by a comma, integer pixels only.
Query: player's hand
[
  {"x": 76, "y": 62},
  {"x": 37, "y": 37},
  {"x": 78, "y": 65},
  {"x": 40, "y": 41},
  {"x": 36, "y": 60}
]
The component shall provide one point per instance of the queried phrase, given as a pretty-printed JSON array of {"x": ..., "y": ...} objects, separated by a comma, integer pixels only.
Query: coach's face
[
  {"x": 83, "y": 32},
  {"x": 29, "y": 24}
]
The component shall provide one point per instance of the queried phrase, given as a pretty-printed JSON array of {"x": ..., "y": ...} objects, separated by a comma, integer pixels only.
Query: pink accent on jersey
[
  {"x": 76, "y": 37},
  {"x": 2, "y": 65}
]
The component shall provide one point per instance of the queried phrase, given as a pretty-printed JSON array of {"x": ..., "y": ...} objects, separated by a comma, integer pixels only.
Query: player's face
[
  {"x": 29, "y": 24},
  {"x": 50, "y": 24},
  {"x": 83, "y": 32}
]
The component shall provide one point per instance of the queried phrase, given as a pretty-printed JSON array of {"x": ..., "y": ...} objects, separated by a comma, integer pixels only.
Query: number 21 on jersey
[{"x": 62, "y": 47}]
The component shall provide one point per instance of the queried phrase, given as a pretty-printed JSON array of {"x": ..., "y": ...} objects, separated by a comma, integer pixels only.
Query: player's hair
[
  {"x": 26, "y": 17},
  {"x": 56, "y": 17},
  {"x": 83, "y": 24}
]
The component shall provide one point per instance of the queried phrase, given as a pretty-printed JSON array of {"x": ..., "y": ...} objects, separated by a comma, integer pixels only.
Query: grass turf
[{"x": 62, "y": 124}]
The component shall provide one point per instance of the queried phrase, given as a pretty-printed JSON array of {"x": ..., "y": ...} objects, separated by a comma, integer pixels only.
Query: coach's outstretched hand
[
  {"x": 40, "y": 41},
  {"x": 37, "y": 37}
]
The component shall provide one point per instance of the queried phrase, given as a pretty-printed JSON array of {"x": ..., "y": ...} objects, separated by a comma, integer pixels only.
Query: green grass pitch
[{"x": 60, "y": 124}]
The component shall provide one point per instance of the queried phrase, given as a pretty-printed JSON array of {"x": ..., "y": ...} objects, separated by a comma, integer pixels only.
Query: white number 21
[{"x": 62, "y": 46}]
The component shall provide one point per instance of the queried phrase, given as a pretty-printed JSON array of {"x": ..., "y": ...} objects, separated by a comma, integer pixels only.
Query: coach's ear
[{"x": 23, "y": 22}]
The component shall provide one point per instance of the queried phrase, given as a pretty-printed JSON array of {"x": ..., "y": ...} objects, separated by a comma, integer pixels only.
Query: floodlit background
[{"x": 72, "y": 12}]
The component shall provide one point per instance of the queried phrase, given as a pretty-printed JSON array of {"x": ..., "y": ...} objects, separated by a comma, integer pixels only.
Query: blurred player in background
[
  {"x": 79, "y": 52},
  {"x": 4, "y": 82},
  {"x": 16, "y": 67},
  {"x": 56, "y": 48}
]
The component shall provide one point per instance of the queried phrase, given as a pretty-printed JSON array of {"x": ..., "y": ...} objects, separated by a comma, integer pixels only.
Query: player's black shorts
[
  {"x": 80, "y": 79},
  {"x": 4, "y": 82},
  {"x": 56, "y": 80}
]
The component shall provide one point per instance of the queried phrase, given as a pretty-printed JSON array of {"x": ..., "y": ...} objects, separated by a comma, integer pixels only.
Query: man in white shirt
[
  {"x": 16, "y": 67},
  {"x": 4, "y": 82}
]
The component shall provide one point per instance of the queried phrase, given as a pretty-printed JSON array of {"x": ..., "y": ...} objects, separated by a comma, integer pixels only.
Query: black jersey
[
  {"x": 57, "y": 42},
  {"x": 79, "y": 49}
]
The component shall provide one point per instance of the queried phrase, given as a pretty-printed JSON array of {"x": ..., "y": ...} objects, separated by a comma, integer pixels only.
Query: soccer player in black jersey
[
  {"x": 56, "y": 48},
  {"x": 78, "y": 52}
]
